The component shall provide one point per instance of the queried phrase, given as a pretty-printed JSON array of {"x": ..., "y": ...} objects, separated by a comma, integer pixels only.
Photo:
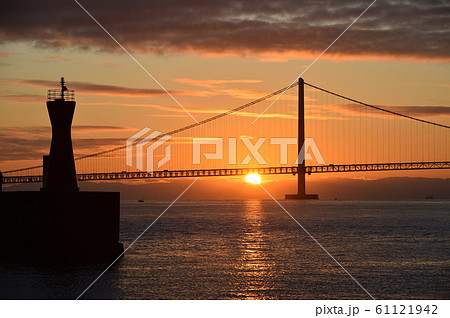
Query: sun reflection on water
[{"x": 256, "y": 268}]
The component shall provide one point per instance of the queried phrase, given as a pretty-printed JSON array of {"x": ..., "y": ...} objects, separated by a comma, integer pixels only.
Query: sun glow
[{"x": 253, "y": 178}]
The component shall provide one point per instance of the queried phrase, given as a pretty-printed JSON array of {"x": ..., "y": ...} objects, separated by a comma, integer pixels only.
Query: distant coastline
[{"x": 393, "y": 188}]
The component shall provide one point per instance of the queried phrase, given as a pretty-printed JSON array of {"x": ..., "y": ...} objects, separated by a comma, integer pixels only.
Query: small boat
[{"x": 140, "y": 200}]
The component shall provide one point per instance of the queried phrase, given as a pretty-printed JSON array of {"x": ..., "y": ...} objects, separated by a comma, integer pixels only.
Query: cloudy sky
[
  {"x": 407, "y": 30},
  {"x": 211, "y": 56}
]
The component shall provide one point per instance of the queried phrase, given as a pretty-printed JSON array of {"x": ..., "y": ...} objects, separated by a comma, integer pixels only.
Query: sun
[{"x": 253, "y": 178}]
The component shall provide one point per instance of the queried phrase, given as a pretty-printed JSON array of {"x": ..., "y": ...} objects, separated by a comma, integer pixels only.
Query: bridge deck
[{"x": 242, "y": 171}]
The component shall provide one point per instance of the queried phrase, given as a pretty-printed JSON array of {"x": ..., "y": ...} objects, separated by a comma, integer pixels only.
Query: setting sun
[{"x": 253, "y": 178}]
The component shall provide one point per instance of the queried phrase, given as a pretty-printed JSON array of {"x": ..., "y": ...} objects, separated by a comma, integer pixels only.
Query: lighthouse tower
[
  {"x": 60, "y": 223},
  {"x": 59, "y": 167}
]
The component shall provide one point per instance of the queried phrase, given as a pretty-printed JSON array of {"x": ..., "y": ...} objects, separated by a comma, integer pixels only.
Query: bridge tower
[
  {"x": 59, "y": 167},
  {"x": 301, "y": 169}
]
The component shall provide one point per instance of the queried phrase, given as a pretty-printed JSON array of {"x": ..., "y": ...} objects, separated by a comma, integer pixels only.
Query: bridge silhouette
[{"x": 352, "y": 136}]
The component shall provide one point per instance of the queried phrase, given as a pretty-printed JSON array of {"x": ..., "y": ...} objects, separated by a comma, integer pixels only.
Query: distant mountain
[
  {"x": 395, "y": 188},
  {"x": 398, "y": 188}
]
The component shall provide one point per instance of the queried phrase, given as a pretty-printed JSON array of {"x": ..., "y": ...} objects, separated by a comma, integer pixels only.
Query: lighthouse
[
  {"x": 60, "y": 223},
  {"x": 59, "y": 167}
]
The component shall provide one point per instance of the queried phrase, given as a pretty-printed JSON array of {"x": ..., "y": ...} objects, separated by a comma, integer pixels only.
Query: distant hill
[
  {"x": 397, "y": 188},
  {"x": 394, "y": 188}
]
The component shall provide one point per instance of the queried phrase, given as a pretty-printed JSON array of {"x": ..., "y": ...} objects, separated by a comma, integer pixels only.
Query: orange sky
[{"x": 214, "y": 57}]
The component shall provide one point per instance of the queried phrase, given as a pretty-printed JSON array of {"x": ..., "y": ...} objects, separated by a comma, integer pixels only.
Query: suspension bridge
[{"x": 352, "y": 136}]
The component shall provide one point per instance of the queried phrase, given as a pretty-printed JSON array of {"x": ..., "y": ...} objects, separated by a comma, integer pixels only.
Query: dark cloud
[
  {"x": 23, "y": 98},
  {"x": 415, "y": 111},
  {"x": 87, "y": 128},
  {"x": 421, "y": 110},
  {"x": 19, "y": 149},
  {"x": 57, "y": 57},
  {"x": 95, "y": 89},
  {"x": 402, "y": 29},
  {"x": 31, "y": 143}
]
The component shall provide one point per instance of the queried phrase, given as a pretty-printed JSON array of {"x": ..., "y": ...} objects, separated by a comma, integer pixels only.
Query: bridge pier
[{"x": 301, "y": 169}]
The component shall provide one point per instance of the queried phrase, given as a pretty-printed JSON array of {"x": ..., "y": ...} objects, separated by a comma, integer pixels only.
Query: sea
[{"x": 255, "y": 250}]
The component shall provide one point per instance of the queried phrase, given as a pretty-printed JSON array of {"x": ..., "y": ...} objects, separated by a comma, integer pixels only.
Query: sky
[{"x": 211, "y": 56}]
